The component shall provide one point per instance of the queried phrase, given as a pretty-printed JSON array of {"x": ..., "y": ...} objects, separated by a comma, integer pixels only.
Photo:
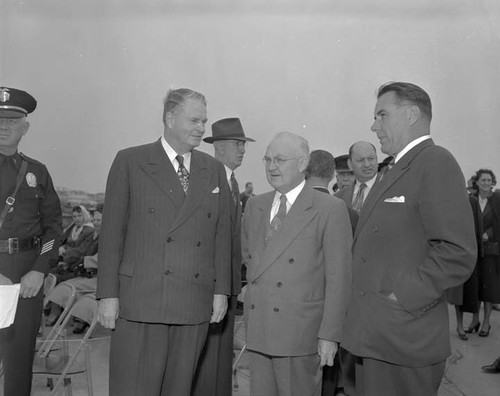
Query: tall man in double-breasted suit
[
  {"x": 296, "y": 244},
  {"x": 164, "y": 254},
  {"x": 214, "y": 374},
  {"x": 414, "y": 239}
]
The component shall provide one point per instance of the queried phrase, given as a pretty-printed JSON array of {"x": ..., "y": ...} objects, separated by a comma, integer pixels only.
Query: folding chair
[
  {"x": 64, "y": 295},
  {"x": 63, "y": 365},
  {"x": 48, "y": 285}
]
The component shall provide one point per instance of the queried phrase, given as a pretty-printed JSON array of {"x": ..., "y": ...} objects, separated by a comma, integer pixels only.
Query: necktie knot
[
  {"x": 180, "y": 160},
  {"x": 278, "y": 218}
]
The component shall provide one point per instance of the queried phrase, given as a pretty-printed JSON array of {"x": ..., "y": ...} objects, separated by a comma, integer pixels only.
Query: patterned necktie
[
  {"x": 183, "y": 173},
  {"x": 278, "y": 218},
  {"x": 234, "y": 189},
  {"x": 360, "y": 197}
]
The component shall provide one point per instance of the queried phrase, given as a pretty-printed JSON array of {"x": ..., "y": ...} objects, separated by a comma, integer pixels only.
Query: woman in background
[{"x": 489, "y": 264}]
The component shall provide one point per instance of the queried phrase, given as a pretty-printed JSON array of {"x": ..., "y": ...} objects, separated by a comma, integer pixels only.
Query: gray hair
[
  {"x": 302, "y": 143},
  {"x": 177, "y": 97}
]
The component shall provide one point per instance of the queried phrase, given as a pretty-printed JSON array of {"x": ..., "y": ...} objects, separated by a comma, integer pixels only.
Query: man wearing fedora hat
[
  {"x": 30, "y": 227},
  {"x": 213, "y": 376}
]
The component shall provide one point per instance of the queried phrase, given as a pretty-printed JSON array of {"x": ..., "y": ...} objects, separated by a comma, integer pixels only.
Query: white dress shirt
[
  {"x": 172, "y": 154},
  {"x": 369, "y": 185},
  {"x": 291, "y": 196}
]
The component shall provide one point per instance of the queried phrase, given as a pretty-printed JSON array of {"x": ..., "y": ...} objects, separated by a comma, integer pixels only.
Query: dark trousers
[
  {"x": 17, "y": 345},
  {"x": 17, "y": 342},
  {"x": 373, "y": 377},
  {"x": 214, "y": 374},
  {"x": 154, "y": 359}
]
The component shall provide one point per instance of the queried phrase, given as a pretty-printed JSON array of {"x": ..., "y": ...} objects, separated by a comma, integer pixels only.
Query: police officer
[{"x": 30, "y": 218}]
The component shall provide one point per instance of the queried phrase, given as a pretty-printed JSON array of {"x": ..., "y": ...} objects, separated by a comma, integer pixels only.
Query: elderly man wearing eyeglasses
[{"x": 296, "y": 244}]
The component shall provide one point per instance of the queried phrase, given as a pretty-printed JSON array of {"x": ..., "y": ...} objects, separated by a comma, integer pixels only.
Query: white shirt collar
[
  {"x": 228, "y": 174},
  {"x": 172, "y": 154},
  {"x": 369, "y": 185},
  {"x": 410, "y": 145},
  {"x": 291, "y": 197}
]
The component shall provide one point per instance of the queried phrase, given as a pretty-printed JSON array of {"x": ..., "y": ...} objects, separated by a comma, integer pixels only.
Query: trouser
[
  {"x": 18, "y": 341},
  {"x": 284, "y": 375},
  {"x": 214, "y": 373},
  {"x": 154, "y": 359}
]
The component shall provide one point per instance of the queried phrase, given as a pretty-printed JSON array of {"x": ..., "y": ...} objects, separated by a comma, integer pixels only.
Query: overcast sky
[{"x": 99, "y": 70}]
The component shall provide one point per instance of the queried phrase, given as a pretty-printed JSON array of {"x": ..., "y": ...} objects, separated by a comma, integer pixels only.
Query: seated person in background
[
  {"x": 75, "y": 244},
  {"x": 79, "y": 240}
]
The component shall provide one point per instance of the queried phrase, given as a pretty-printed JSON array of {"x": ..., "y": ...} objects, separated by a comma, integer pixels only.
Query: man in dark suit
[
  {"x": 296, "y": 244},
  {"x": 414, "y": 239},
  {"x": 164, "y": 254},
  {"x": 214, "y": 374},
  {"x": 343, "y": 175},
  {"x": 363, "y": 163}
]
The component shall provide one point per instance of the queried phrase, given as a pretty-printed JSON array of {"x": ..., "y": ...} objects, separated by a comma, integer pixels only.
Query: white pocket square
[
  {"x": 400, "y": 199},
  {"x": 216, "y": 190}
]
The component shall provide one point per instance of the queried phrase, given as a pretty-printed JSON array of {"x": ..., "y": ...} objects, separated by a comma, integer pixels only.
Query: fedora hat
[{"x": 227, "y": 129}]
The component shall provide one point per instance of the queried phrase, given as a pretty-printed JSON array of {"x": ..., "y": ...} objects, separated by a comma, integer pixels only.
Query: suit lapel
[
  {"x": 391, "y": 177},
  {"x": 199, "y": 181},
  {"x": 161, "y": 170},
  {"x": 298, "y": 217}
]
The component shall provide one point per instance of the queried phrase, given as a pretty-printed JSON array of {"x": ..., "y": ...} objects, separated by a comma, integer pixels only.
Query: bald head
[{"x": 363, "y": 161}]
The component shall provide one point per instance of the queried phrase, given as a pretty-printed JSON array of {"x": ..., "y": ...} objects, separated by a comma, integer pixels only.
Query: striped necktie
[{"x": 360, "y": 198}]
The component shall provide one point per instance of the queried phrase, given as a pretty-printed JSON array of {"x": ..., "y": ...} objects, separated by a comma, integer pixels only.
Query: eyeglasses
[{"x": 277, "y": 161}]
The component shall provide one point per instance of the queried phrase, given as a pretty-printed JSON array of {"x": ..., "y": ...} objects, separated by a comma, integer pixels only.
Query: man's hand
[
  {"x": 4, "y": 280},
  {"x": 219, "y": 308},
  {"x": 326, "y": 352},
  {"x": 31, "y": 283},
  {"x": 107, "y": 312}
]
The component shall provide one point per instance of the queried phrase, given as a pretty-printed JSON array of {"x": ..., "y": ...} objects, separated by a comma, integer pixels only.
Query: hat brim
[
  {"x": 211, "y": 139},
  {"x": 9, "y": 113}
]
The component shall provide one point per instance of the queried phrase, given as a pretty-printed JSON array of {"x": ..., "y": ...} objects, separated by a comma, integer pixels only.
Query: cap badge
[
  {"x": 31, "y": 179},
  {"x": 4, "y": 94}
]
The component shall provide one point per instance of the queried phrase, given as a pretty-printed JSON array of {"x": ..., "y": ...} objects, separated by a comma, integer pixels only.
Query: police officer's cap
[
  {"x": 15, "y": 103},
  {"x": 341, "y": 163}
]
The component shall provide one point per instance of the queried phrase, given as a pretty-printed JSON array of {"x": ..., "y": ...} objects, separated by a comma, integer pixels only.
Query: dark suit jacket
[
  {"x": 298, "y": 283},
  {"x": 163, "y": 254},
  {"x": 416, "y": 249}
]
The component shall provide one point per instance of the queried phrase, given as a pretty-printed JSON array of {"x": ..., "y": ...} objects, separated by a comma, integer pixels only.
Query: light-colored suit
[
  {"x": 298, "y": 282},
  {"x": 414, "y": 238},
  {"x": 162, "y": 253}
]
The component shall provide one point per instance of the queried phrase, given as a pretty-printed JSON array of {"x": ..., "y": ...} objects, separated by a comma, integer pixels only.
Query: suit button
[
  {"x": 209, "y": 215},
  {"x": 362, "y": 293},
  {"x": 169, "y": 240},
  {"x": 198, "y": 244},
  {"x": 375, "y": 228},
  {"x": 363, "y": 259},
  {"x": 291, "y": 261},
  {"x": 151, "y": 210},
  {"x": 196, "y": 275},
  {"x": 279, "y": 284},
  {"x": 254, "y": 282},
  {"x": 252, "y": 306},
  {"x": 168, "y": 272},
  {"x": 276, "y": 309}
]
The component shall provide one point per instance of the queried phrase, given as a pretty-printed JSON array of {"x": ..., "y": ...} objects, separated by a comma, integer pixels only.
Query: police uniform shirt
[{"x": 36, "y": 211}]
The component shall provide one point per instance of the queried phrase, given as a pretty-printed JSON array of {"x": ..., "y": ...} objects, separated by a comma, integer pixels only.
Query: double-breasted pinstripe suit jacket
[{"x": 162, "y": 253}]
